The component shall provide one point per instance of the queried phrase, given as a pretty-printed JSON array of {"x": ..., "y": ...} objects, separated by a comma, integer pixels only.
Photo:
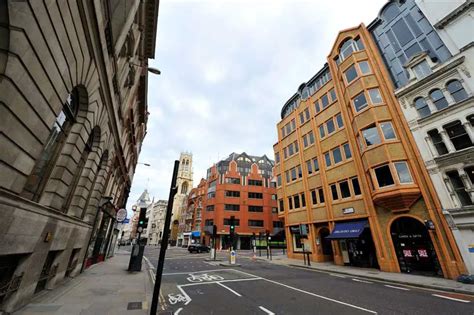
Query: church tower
[{"x": 184, "y": 182}]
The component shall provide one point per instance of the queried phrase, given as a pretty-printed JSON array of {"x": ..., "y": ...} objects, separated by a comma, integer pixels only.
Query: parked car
[{"x": 198, "y": 248}]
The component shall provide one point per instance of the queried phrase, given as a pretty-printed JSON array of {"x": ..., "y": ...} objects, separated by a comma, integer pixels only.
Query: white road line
[
  {"x": 321, "y": 297},
  {"x": 213, "y": 282},
  {"x": 358, "y": 280},
  {"x": 185, "y": 294},
  {"x": 398, "y": 288},
  {"x": 336, "y": 275},
  {"x": 187, "y": 273},
  {"x": 266, "y": 311},
  {"x": 224, "y": 286},
  {"x": 450, "y": 298},
  {"x": 178, "y": 310}
]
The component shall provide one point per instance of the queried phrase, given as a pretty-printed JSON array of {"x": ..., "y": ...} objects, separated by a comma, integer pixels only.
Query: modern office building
[
  {"x": 349, "y": 172},
  {"x": 240, "y": 186},
  {"x": 432, "y": 69},
  {"x": 73, "y": 103}
]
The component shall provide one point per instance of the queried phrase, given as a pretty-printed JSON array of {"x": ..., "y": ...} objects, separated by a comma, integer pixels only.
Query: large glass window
[
  {"x": 459, "y": 188},
  {"x": 387, "y": 130},
  {"x": 322, "y": 133},
  {"x": 314, "y": 199},
  {"x": 355, "y": 185},
  {"x": 403, "y": 172},
  {"x": 336, "y": 153},
  {"x": 327, "y": 157},
  {"x": 438, "y": 142},
  {"x": 324, "y": 100},
  {"x": 347, "y": 150},
  {"x": 422, "y": 70},
  {"x": 371, "y": 136},
  {"x": 456, "y": 90},
  {"x": 384, "y": 176},
  {"x": 402, "y": 32},
  {"x": 458, "y": 135},
  {"x": 364, "y": 67},
  {"x": 296, "y": 200},
  {"x": 309, "y": 167},
  {"x": 360, "y": 102},
  {"x": 348, "y": 47},
  {"x": 321, "y": 195},
  {"x": 350, "y": 74},
  {"x": 316, "y": 164},
  {"x": 421, "y": 107},
  {"x": 333, "y": 95},
  {"x": 344, "y": 188},
  {"x": 330, "y": 126},
  {"x": 438, "y": 99},
  {"x": 375, "y": 97},
  {"x": 335, "y": 195},
  {"x": 340, "y": 122}
]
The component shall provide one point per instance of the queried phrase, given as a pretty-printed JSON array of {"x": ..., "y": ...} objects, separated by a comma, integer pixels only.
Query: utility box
[{"x": 136, "y": 258}]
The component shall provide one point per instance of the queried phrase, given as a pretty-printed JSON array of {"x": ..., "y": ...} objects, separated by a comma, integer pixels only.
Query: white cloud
[{"x": 227, "y": 67}]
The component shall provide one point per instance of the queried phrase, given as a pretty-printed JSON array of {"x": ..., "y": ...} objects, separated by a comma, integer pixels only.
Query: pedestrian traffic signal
[
  {"x": 232, "y": 224},
  {"x": 142, "y": 219}
]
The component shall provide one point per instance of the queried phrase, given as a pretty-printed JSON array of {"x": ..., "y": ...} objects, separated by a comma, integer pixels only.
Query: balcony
[{"x": 397, "y": 199}]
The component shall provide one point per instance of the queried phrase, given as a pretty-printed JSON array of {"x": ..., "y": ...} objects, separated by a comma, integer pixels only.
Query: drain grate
[{"x": 134, "y": 306}]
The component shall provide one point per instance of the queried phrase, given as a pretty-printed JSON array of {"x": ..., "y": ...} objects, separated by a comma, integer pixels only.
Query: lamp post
[{"x": 149, "y": 69}]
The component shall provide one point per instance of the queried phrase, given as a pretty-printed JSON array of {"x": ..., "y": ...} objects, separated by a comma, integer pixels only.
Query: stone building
[
  {"x": 437, "y": 98},
  {"x": 351, "y": 185},
  {"x": 156, "y": 221},
  {"x": 73, "y": 104},
  {"x": 184, "y": 182}
]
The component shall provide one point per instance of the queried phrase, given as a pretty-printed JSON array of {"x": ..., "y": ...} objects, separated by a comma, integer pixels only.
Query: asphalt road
[{"x": 192, "y": 285}]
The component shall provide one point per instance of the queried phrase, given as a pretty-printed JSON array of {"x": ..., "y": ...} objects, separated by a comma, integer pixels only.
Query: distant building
[
  {"x": 143, "y": 202},
  {"x": 239, "y": 186},
  {"x": 156, "y": 221},
  {"x": 437, "y": 98}
]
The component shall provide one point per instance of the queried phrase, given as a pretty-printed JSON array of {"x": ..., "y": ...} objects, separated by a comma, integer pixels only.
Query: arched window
[
  {"x": 52, "y": 147},
  {"x": 348, "y": 47},
  {"x": 438, "y": 99},
  {"x": 184, "y": 188},
  {"x": 421, "y": 107},
  {"x": 456, "y": 90}
]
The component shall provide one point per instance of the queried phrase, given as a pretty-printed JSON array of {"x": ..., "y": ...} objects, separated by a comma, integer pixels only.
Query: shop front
[{"x": 355, "y": 242}]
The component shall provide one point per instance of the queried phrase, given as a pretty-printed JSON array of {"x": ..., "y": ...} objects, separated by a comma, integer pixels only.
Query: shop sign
[
  {"x": 348, "y": 210},
  {"x": 304, "y": 229},
  {"x": 295, "y": 229}
]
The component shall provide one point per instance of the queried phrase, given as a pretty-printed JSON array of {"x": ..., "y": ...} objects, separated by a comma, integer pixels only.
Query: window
[
  {"x": 311, "y": 137},
  {"x": 458, "y": 135},
  {"x": 421, "y": 107},
  {"x": 293, "y": 173},
  {"x": 287, "y": 173},
  {"x": 327, "y": 157},
  {"x": 336, "y": 153},
  {"x": 371, "y": 136},
  {"x": 456, "y": 90},
  {"x": 324, "y": 101},
  {"x": 277, "y": 157},
  {"x": 470, "y": 173},
  {"x": 277, "y": 224},
  {"x": 255, "y": 208},
  {"x": 314, "y": 199},
  {"x": 316, "y": 106},
  {"x": 348, "y": 47},
  {"x": 438, "y": 99},
  {"x": 209, "y": 222},
  {"x": 364, "y": 67},
  {"x": 254, "y": 182},
  {"x": 278, "y": 180},
  {"x": 345, "y": 191},
  {"x": 322, "y": 133},
  {"x": 230, "y": 193},
  {"x": 355, "y": 185},
  {"x": 332, "y": 92},
  {"x": 387, "y": 130},
  {"x": 236, "y": 222},
  {"x": 347, "y": 150},
  {"x": 282, "y": 205},
  {"x": 422, "y": 70},
  {"x": 459, "y": 188},
  {"x": 290, "y": 150},
  {"x": 290, "y": 203},
  {"x": 403, "y": 172},
  {"x": 303, "y": 200},
  {"x": 321, "y": 195},
  {"x": 350, "y": 74},
  {"x": 210, "y": 208},
  {"x": 285, "y": 154},
  {"x": 301, "y": 118},
  {"x": 254, "y": 195},
  {"x": 359, "y": 102},
  {"x": 296, "y": 200},
  {"x": 229, "y": 207},
  {"x": 402, "y": 32},
  {"x": 316, "y": 164},
  {"x": 334, "y": 192},
  {"x": 330, "y": 126},
  {"x": 274, "y": 210},
  {"x": 375, "y": 97},
  {"x": 211, "y": 195},
  {"x": 384, "y": 176},
  {"x": 438, "y": 142},
  {"x": 309, "y": 167},
  {"x": 339, "y": 121}
]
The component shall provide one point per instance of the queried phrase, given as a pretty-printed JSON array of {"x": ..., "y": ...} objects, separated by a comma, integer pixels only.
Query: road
[{"x": 192, "y": 285}]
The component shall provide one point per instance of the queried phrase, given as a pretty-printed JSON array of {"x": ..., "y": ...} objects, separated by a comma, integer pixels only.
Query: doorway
[
  {"x": 414, "y": 249},
  {"x": 326, "y": 243}
]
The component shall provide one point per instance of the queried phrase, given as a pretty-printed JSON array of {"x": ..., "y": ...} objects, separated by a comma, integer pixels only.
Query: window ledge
[{"x": 439, "y": 113}]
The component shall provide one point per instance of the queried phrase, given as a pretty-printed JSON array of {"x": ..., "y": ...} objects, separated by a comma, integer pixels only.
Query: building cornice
[
  {"x": 452, "y": 109},
  {"x": 454, "y": 14},
  {"x": 449, "y": 65},
  {"x": 449, "y": 159}
]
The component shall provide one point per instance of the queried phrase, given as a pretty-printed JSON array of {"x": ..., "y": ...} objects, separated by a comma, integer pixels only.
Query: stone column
[
  {"x": 468, "y": 128},
  {"x": 431, "y": 105},
  {"x": 467, "y": 183},
  {"x": 451, "y": 191},
  {"x": 447, "y": 141},
  {"x": 431, "y": 146},
  {"x": 448, "y": 97}
]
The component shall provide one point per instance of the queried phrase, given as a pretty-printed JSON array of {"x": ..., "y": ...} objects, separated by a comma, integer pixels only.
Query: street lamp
[
  {"x": 150, "y": 69},
  {"x": 146, "y": 164}
]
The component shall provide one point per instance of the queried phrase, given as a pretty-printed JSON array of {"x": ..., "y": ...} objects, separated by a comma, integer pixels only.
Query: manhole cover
[{"x": 134, "y": 306}]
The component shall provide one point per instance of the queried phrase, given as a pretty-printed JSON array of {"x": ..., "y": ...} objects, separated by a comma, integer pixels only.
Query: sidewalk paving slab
[{"x": 105, "y": 288}]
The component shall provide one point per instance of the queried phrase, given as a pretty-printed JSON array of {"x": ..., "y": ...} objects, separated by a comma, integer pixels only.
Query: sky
[{"x": 227, "y": 67}]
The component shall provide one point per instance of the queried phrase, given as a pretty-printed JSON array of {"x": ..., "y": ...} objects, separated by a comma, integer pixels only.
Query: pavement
[{"x": 104, "y": 288}]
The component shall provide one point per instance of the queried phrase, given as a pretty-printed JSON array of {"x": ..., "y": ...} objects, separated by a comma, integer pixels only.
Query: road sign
[
  {"x": 126, "y": 221},
  {"x": 140, "y": 229},
  {"x": 232, "y": 257},
  {"x": 121, "y": 215}
]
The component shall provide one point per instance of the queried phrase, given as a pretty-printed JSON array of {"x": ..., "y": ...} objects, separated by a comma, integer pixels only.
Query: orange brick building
[
  {"x": 347, "y": 168},
  {"x": 239, "y": 186}
]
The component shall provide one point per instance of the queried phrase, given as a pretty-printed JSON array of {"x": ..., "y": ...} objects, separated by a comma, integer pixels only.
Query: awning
[
  {"x": 196, "y": 234},
  {"x": 351, "y": 229}
]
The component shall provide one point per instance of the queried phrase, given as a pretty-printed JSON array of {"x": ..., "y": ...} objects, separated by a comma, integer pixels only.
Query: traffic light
[
  {"x": 214, "y": 231},
  {"x": 142, "y": 219},
  {"x": 232, "y": 224}
]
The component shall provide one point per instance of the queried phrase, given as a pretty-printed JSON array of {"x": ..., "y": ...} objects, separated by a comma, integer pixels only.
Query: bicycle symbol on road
[
  {"x": 203, "y": 277},
  {"x": 173, "y": 299}
]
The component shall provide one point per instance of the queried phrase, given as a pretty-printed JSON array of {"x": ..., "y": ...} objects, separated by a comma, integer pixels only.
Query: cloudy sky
[{"x": 227, "y": 68}]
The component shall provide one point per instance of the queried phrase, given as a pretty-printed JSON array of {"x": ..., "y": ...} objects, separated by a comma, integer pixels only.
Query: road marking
[
  {"x": 450, "y": 298},
  {"x": 398, "y": 288},
  {"x": 266, "y": 311},
  {"x": 212, "y": 282},
  {"x": 187, "y": 273},
  {"x": 224, "y": 286},
  {"x": 185, "y": 294},
  {"x": 336, "y": 275},
  {"x": 178, "y": 310},
  {"x": 358, "y": 280}
]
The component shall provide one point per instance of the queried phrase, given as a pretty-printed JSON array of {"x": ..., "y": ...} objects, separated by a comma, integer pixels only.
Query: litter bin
[{"x": 136, "y": 257}]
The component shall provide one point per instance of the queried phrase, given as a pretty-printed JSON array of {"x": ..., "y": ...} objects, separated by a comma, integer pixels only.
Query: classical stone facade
[
  {"x": 156, "y": 221},
  {"x": 73, "y": 107},
  {"x": 438, "y": 103}
]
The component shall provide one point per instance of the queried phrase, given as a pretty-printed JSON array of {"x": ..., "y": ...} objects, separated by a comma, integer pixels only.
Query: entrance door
[
  {"x": 325, "y": 243},
  {"x": 413, "y": 246}
]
